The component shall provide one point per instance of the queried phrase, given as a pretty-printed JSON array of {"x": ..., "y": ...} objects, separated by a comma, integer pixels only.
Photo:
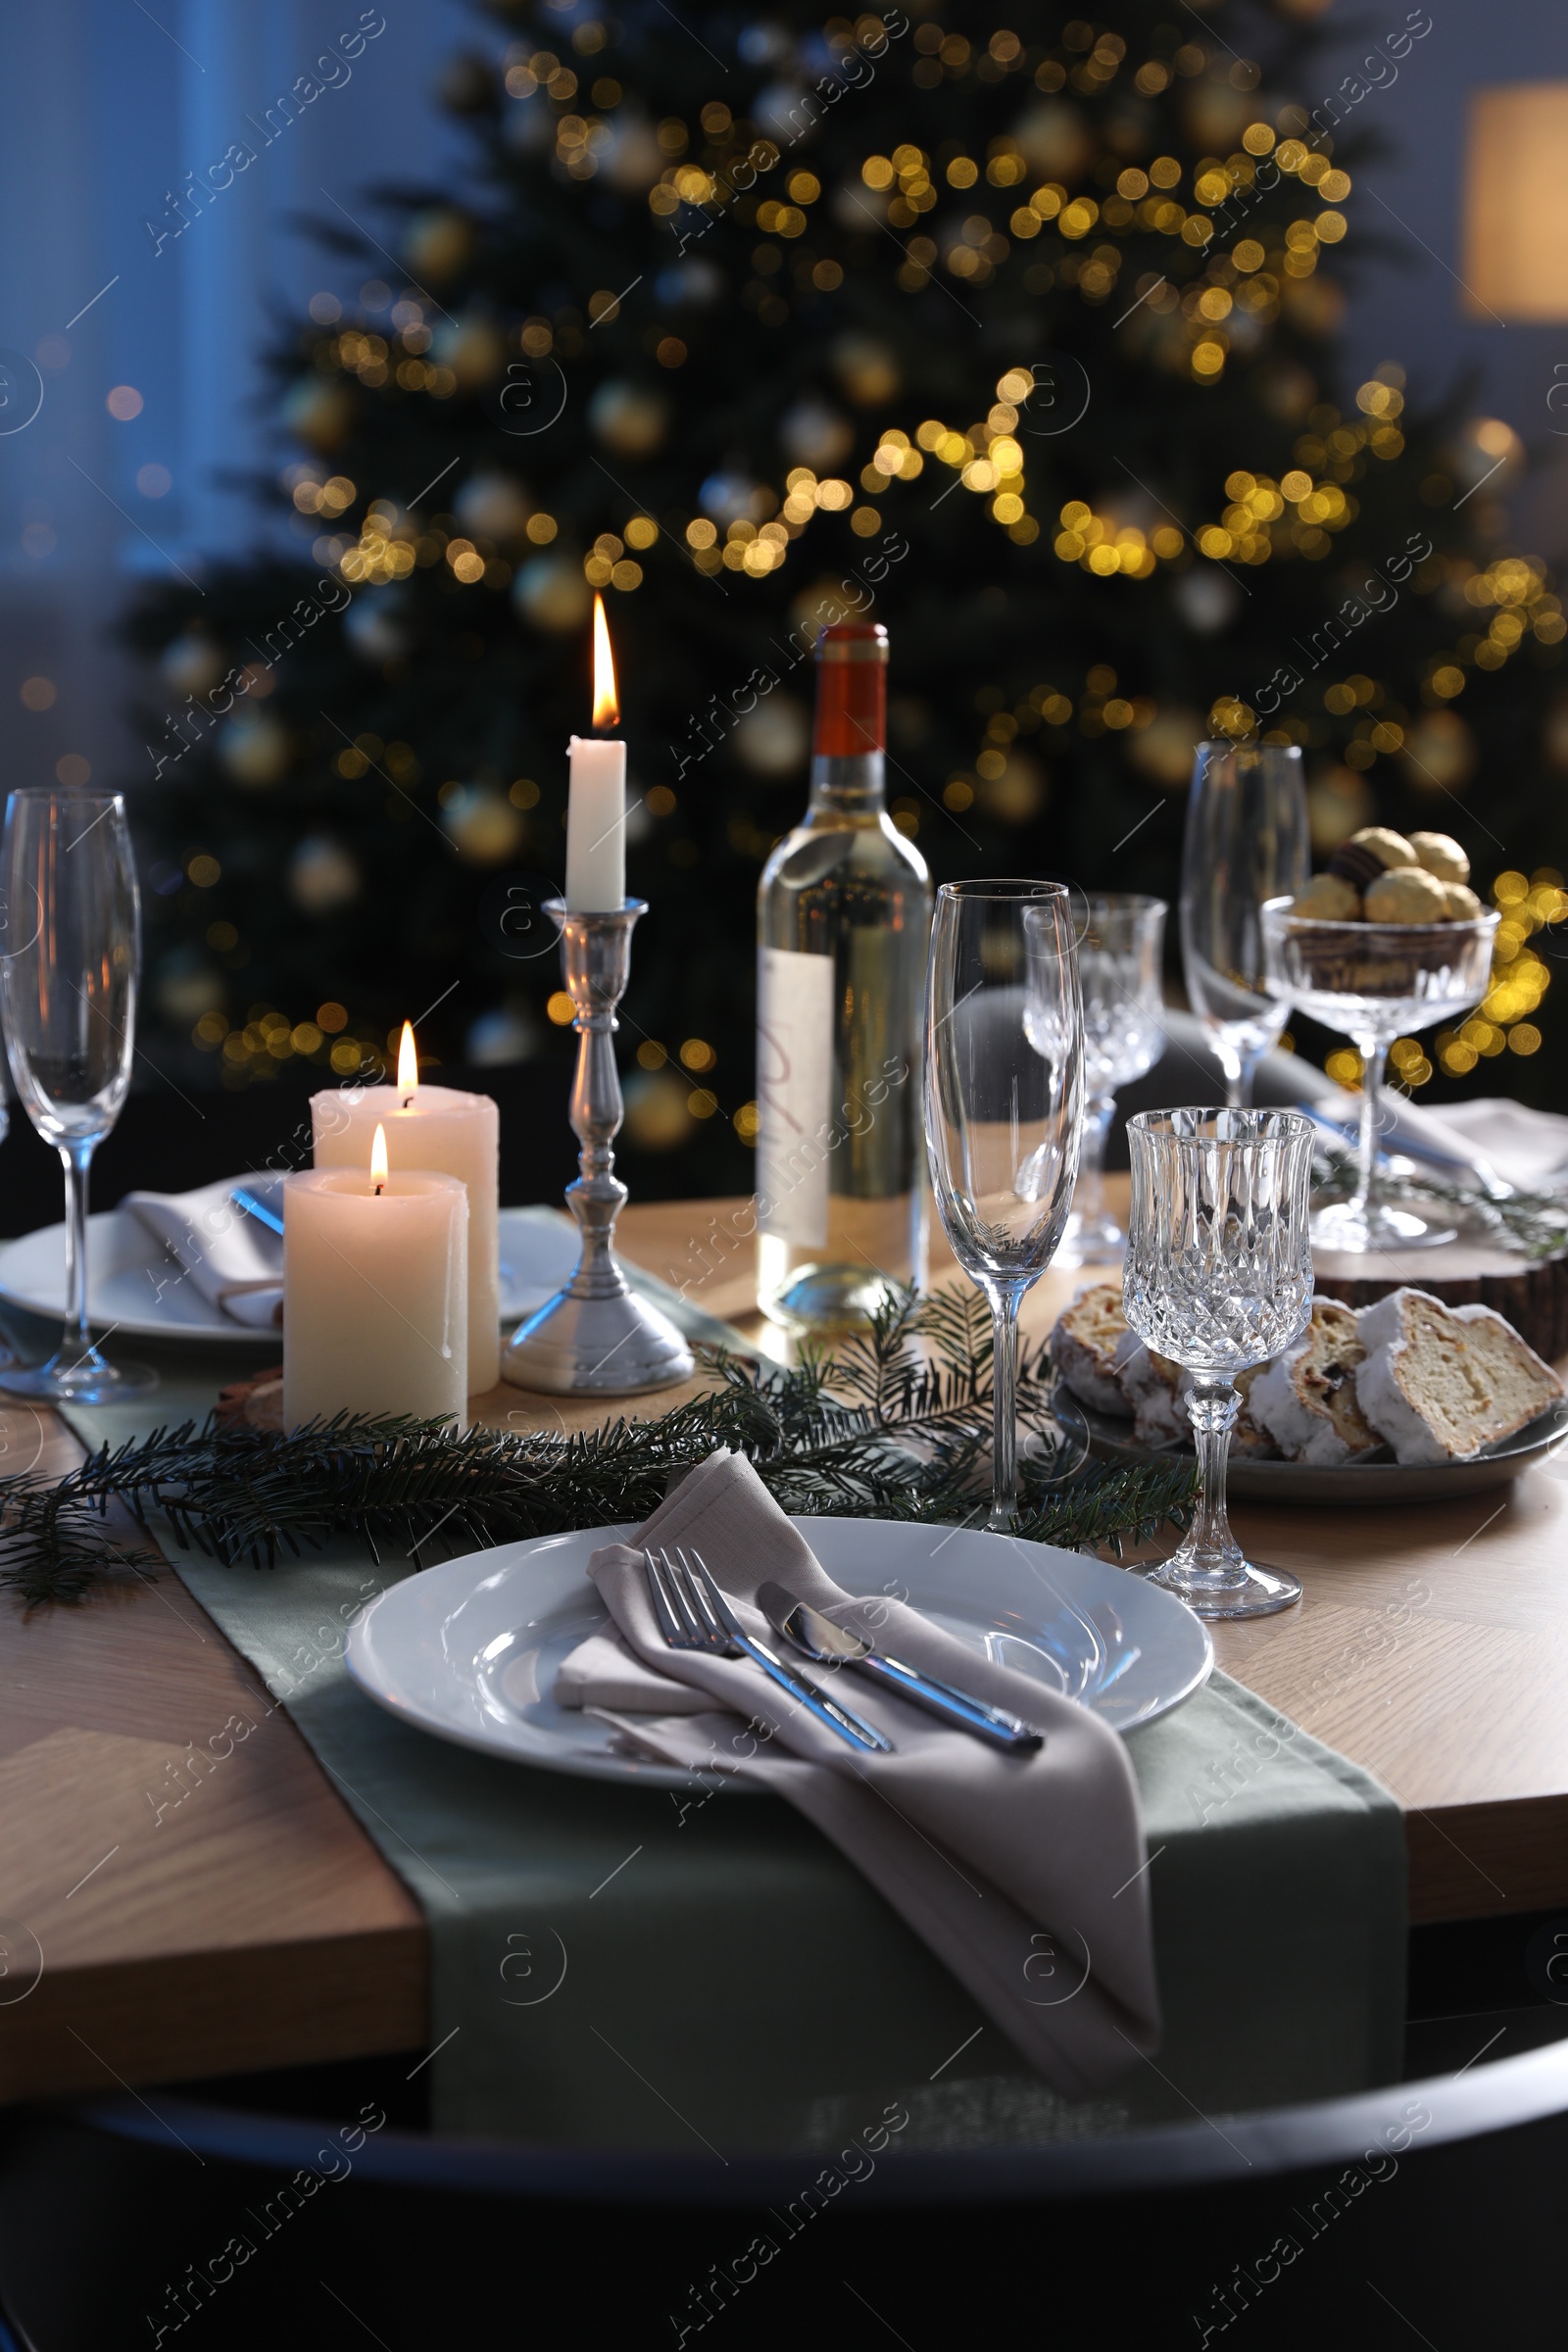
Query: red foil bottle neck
[{"x": 852, "y": 690}]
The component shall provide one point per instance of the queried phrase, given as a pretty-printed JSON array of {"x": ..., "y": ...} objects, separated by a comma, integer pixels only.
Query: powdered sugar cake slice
[
  {"x": 1306, "y": 1398},
  {"x": 1439, "y": 1383},
  {"x": 1083, "y": 1343}
]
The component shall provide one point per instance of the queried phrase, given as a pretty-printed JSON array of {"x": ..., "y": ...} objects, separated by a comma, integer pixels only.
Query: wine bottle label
[{"x": 794, "y": 1094}]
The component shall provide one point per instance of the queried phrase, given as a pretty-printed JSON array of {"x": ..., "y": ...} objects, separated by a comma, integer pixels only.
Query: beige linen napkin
[{"x": 1023, "y": 1873}]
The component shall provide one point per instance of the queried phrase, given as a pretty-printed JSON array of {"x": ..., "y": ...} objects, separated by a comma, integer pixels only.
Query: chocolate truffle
[
  {"x": 1463, "y": 905},
  {"x": 1390, "y": 848},
  {"x": 1330, "y": 899},
  {"x": 1356, "y": 865},
  {"x": 1442, "y": 856},
  {"x": 1406, "y": 894}
]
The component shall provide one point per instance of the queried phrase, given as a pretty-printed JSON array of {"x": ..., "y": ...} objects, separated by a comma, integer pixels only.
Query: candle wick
[
  {"x": 379, "y": 1189},
  {"x": 408, "y": 1102}
]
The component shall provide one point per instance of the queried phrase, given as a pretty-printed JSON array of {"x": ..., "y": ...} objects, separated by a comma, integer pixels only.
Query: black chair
[{"x": 1427, "y": 2210}]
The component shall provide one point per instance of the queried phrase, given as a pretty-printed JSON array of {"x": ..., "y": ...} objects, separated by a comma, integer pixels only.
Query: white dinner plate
[
  {"x": 469, "y": 1650},
  {"x": 133, "y": 1283}
]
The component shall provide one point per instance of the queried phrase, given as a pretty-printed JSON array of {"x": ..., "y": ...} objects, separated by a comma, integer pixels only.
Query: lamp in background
[{"x": 1515, "y": 263}]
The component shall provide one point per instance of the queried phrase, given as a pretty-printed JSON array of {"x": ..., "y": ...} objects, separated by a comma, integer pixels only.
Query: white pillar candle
[
  {"x": 456, "y": 1134},
  {"x": 595, "y": 826},
  {"x": 595, "y": 805},
  {"x": 376, "y": 1295}
]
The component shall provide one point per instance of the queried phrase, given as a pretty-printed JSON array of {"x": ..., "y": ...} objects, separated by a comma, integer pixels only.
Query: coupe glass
[
  {"x": 1374, "y": 982},
  {"x": 1119, "y": 957},
  {"x": 1003, "y": 1105},
  {"x": 1246, "y": 842},
  {"x": 69, "y": 937},
  {"x": 1219, "y": 1276}
]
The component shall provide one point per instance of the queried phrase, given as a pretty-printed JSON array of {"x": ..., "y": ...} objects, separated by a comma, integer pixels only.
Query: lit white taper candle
[{"x": 595, "y": 809}]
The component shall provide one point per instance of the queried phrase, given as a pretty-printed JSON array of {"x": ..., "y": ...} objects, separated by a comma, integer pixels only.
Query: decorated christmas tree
[{"x": 1025, "y": 343}]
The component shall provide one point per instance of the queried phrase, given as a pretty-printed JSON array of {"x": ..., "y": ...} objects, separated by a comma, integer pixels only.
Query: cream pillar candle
[
  {"x": 595, "y": 805},
  {"x": 376, "y": 1295},
  {"x": 456, "y": 1134}
]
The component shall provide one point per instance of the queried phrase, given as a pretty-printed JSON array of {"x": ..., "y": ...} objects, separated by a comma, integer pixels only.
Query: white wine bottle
[{"x": 844, "y": 922}]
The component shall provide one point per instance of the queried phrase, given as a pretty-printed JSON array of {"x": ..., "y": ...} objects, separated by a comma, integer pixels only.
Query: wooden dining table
[{"x": 183, "y": 1894}]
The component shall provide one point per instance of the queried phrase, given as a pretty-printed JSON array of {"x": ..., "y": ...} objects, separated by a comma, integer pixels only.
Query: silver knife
[{"x": 817, "y": 1637}]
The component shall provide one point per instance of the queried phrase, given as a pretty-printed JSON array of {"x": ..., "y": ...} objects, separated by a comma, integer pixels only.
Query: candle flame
[
  {"x": 408, "y": 1063},
  {"x": 379, "y": 1170},
  {"x": 607, "y": 708}
]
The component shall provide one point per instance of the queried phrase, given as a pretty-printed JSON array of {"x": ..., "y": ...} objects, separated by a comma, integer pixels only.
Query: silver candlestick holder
[{"x": 596, "y": 1338}]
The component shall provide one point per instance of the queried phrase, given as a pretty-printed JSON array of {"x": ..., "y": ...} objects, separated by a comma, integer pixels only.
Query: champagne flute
[
  {"x": 1004, "y": 1106},
  {"x": 68, "y": 952},
  {"x": 1120, "y": 962},
  {"x": 1219, "y": 1276},
  {"x": 1246, "y": 841}
]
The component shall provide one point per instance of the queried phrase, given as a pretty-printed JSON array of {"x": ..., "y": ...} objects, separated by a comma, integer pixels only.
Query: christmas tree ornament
[
  {"x": 551, "y": 593},
  {"x": 1163, "y": 750},
  {"x": 253, "y": 749},
  {"x": 186, "y": 986},
  {"x": 629, "y": 419},
  {"x": 474, "y": 351},
  {"x": 774, "y": 739},
  {"x": 868, "y": 371},
  {"x": 813, "y": 434},
  {"x": 1440, "y": 754},
  {"x": 438, "y": 243},
  {"x": 481, "y": 824},
  {"x": 634, "y": 159},
  {"x": 493, "y": 505},
  {"x": 319, "y": 411},
  {"x": 192, "y": 664},
  {"x": 377, "y": 624},
  {"x": 323, "y": 875}
]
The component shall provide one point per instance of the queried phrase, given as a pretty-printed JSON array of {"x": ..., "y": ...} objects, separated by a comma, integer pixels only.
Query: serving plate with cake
[{"x": 1407, "y": 1401}]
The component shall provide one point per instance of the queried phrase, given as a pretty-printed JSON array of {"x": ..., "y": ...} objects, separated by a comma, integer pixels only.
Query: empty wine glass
[
  {"x": 1373, "y": 982},
  {"x": 1004, "y": 1102},
  {"x": 1246, "y": 841},
  {"x": 1119, "y": 955},
  {"x": 69, "y": 942},
  {"x": 1219, "y": 1276}
]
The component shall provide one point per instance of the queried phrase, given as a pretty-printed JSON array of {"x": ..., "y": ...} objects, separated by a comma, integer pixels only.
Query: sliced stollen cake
[
  {"x": 1250, "y": 1440},
  {"x": 1308, "y": 1397},
  {"x": 1084, "y": 1343},
  {"x": 1151, "y": 1391},
  {"x": 1439, "y": 1383}
]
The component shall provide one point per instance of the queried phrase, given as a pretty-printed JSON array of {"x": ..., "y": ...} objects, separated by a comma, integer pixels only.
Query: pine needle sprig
[{"x": 895, "y": 1426}]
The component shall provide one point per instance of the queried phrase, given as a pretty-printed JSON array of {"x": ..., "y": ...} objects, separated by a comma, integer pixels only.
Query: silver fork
[{"x": 694, "y": 1614}]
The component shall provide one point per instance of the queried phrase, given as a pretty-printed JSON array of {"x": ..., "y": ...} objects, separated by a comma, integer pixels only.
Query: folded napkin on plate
[
  {"x": 1488, "y": 1136},
  {"x": 1023, "y": 1873},
  {"x": 232, "y": 1257}
]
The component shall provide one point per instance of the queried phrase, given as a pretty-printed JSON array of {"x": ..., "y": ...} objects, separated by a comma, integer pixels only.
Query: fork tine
[
  {"x": 704, "y": 1626},
  {"x": 715, "y": 1605},
  {"x": 670, "y": 1622}
]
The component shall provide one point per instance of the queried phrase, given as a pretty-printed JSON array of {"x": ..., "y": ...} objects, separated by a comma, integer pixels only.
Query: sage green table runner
[{"x": 664, "y": 1970}]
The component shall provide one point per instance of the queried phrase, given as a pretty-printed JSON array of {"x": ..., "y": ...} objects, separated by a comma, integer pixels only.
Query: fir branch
[{"x": 886, "y": 1429}]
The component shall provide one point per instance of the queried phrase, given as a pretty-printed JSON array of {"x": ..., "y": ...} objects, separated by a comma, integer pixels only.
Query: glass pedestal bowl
[{"x": 1374, "y": 982}]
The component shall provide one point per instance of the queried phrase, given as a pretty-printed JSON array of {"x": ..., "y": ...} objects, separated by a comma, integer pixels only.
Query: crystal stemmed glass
[
  {"x": 1003, "y": 1105},
  {"x": 1374, "y": 982},
  {"x": 1219, "y": 1276},
  {"x": 69, "y": 941},
  {"x": 1119, "y": 957},
  {"x": 1246, "y": 841}
]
